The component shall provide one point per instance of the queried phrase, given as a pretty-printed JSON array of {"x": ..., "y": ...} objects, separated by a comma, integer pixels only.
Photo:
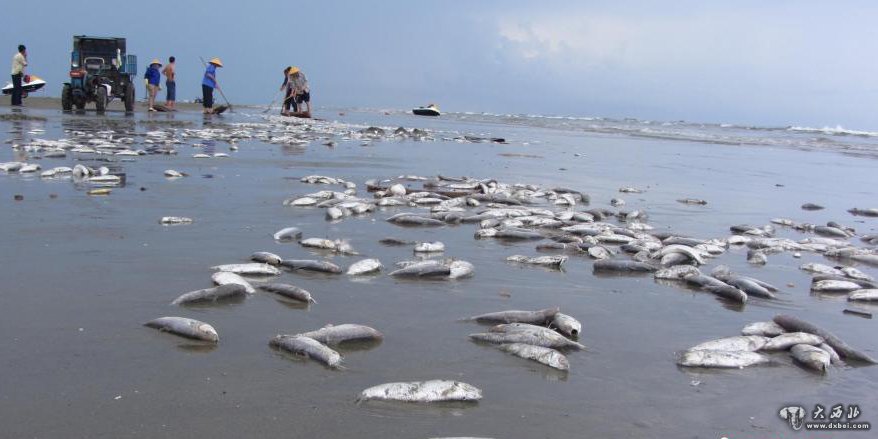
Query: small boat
[
  {"x": 29, "y": 84},
  {"x": 429, "y": 110}
]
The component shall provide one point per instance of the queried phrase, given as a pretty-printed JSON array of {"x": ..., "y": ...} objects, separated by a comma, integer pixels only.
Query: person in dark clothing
[{"x": 19, "y": 62}]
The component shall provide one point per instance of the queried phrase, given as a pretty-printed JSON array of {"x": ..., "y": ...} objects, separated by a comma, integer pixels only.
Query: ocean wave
[{"x": 837, "y": 131}]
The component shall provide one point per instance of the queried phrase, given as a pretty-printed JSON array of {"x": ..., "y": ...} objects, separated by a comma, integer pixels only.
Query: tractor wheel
[
  {"x": 101, "y": 99},
  {"x": 129, "y": 98},
  {"x": 67, "y": 98}
]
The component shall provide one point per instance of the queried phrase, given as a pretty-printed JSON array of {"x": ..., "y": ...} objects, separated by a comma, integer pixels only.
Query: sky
[{"x": 777, "y": 63}]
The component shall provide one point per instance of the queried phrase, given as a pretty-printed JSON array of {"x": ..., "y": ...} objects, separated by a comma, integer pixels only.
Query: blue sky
[{"x": 766, "y": 63}]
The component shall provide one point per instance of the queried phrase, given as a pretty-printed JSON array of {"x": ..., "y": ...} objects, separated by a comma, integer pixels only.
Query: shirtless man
[{"x": 170, "y": 72}]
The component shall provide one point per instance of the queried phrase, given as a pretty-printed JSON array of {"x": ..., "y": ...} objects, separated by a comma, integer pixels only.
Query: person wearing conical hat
[
  {"x": 209, "y": 83},
  {"x": 153, "y": 80},
  {"x": 301, "y": 89},
  {"x": 289, "y": 96}
]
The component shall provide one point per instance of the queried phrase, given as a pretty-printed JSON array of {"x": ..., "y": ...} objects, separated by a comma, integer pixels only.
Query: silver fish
[
  {"x": 547, "y": 356},
  {"x": 429, "y": 247},
  {"x": 335, "y": 334},
  {"x": 549, "y": 339},
  {"x": 622, "y": 266},
  {"x": 785, "y": 341},
  {"x": 540, "y": 317},
  {"x": 722, "y": 359},
  {"x": 460, "y": 269},
  {"x": 676, "y": 272},
  {"x": 863, "y": 295},
  {"x": 566, "y": 325},
  {"x": 548, "y": 261},
  {"x": 820, "y": 268},
  {"x": 737, "y": 343},
  {"x": 834, "y": 358},
  {"x": 423, "y": 391},
  {"x": 266, "y": 257},
  {"x": 365, "y": 266},
  {"x": 288, "y": 234},
  {"x": 839, "y": 286},
  {"x": 766, "y": 329},
  {"x": 289, "y": 291},
  {"x": 252, "y": 269},
  {"x": 184, "y": 327},
  {"x": 308, "y": 347},
  {"x": 311, "y": 265},
  {"x": 214, "y": 294},
  {"x": 225, "y": 278},
  {"x": 811, "y": 357}
]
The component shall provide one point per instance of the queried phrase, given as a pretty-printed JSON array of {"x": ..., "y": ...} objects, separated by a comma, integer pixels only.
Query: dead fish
[
  {"x": 831, "y": 231},
  {"x": 812, "y": 206},
  {"x": 214, "y": 294},
  {"x": 722, "y": 359},
  {"x": 791, "y": 323},
  {"x": 690, "y": 252},
  {"x": 756, "y": 257},
  {"x": 692, "y": 201},
  {"x": 336, "y": 334},
  {"x": 252, "y": 269},
  {"x": 307, "y": 347},
  {"x": 540, "y": 317},
  {"x": 395, "y": 242},
  {"x": 288, "y": 234},
  {"x": 106, "y": 191},
  {"x": 766, "y": 329},
  {"x": 460, "y": 269},
  {"x": 623, "y": 266},
  {"x": 424, "y": 269},
  {"x": 750, "y": 287},
  {"x": 429, "y": 247},
  {"x": 226, "y": 278},
  {"x": 175, "y": 220},
  {"x": 423, "y": 391},
  {"x": 872, "y": 212},
  {"x": 811, "y": 357},
  {"x": 677, "y": 272},
  {"x": 300, "y": 202},
  {"x": 548, "y": 261},
  {"x": 549, "y": 337},
  {"x": 837, "y": 286},
  {"x": 170, "y": 173},
  {"x": 531, "y": 338},
  {"x": 547, "y": 356},
  {"x": 864, "y": 295},
  {"x": 366, "y": 266},
  {"x": 630, "y": 190},
  {"x": 266, "y": 257},
  {"x": 853, "y": 273},
  {"x": 617, "y": 202},
  {"x": 311, "y": 265},
  {"x": 288, "y": 291},
  {"x": 820, "y": 268},
  {"x": 834, "y": 358},
  {"x": 334, "y": 213},
  {"x": 415, "y": 220},
  {"x": 788, "y": 339},
  {"x": 728, "y": 292},
  {"x": 517, "y": 234},
  {"x": 566, "y": 325},
  {"x": 737, "y": 343},
  {"x": 326, "y": 244},
  {"x": 599, "y": 252},
  {"x": 185, "y": 327}
]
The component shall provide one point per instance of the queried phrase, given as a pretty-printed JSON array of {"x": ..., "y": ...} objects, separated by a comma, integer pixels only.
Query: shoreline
[{"x": 48, "y": 103}]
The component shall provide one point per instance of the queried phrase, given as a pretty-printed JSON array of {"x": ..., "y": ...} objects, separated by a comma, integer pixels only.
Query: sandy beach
[{"x": 83, "y": 273}]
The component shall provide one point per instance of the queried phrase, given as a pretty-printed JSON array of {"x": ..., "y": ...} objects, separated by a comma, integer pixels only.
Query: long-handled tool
[
  {"x": 217, "y": 83},
  {"x": 273, "y": 99}
]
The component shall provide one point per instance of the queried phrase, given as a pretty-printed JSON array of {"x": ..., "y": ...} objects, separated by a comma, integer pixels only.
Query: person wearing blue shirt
[
  {"x": 153, "y": 79},
  {"x": 208, "y": 84}
]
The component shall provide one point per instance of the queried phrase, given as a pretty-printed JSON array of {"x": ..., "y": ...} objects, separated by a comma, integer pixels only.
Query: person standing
[
  {"x": 154, "y": 79},
  {"x": 301, "y": 89},
  {"x": 19, "y": 62},
  {"x": 289, "y": 97},
  {"x": 209, "y": 83},
  {"x": 170, "y": 72}
]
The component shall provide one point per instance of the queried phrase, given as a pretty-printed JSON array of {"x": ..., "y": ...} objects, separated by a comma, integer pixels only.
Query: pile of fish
[
  {"x": 809, "y": 345},
  {"x": 532, "y": 335}
]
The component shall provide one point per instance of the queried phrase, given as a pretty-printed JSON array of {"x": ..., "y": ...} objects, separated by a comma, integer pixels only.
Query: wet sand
[{"x": 81, "y": 275}]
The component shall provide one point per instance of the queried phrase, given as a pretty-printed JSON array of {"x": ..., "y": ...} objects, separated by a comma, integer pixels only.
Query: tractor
[{"x": 100, "y": 71}]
